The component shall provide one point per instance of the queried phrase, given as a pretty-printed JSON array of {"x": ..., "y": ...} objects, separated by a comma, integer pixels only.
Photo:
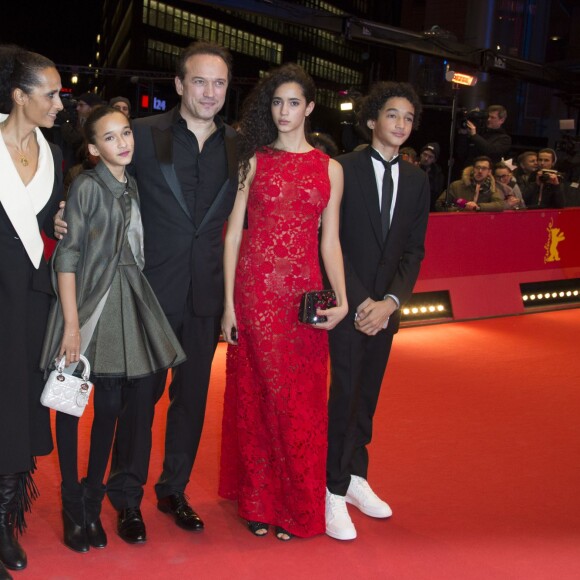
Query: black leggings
[{"x": 107, "y": 401}]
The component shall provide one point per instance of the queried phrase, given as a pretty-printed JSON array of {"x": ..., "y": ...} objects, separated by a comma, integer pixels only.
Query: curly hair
[
  {"x": 19, "y": 69},
  {"x": 257, "y": 128},
  {"x": 383, "y": 91}
]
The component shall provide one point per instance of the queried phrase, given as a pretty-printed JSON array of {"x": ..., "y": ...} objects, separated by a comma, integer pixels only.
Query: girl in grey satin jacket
[{"x": 106, "y": 311}]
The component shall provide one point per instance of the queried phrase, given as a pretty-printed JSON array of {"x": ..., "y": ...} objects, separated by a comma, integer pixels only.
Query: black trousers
[
  {"x": 185, "y": 416},
  {"x": 358, "y": 364},
  {"x": 107, "y": 397}
]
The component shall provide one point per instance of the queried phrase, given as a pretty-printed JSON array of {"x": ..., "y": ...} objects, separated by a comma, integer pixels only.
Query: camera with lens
[
  {"x": 476, "y": 116},
  {"x": 546, "y": 175}
]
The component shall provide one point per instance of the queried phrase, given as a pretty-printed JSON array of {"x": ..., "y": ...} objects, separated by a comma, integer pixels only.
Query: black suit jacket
[
  {"x": 176, "y": 251},
  {"x": 374, "y": 268}
]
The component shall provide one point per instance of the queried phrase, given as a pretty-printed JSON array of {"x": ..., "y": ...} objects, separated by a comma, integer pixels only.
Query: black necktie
[{"x": 387, "y": 191}]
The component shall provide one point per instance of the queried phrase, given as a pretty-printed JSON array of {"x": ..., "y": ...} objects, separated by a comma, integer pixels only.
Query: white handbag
[{"x": 66, "y": 393}]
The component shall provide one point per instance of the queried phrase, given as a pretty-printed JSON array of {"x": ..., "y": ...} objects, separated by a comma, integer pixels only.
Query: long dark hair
[
  {"x": 19, "y": 69},
  {"x": 257, "y": 128}
]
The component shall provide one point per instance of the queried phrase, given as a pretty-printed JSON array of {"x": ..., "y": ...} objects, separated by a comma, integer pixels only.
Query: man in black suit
[
  {"x": 186, "y": 166},
  {"x": 383, "y": 222}
]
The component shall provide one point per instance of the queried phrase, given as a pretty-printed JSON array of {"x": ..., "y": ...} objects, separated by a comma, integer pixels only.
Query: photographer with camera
[
  {"x": 483, "y": 134},
  {"x": 545, "y": 188}
]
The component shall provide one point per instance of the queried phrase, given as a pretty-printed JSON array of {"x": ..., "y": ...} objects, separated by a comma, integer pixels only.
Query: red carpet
[{"x": 477, "y": 450}]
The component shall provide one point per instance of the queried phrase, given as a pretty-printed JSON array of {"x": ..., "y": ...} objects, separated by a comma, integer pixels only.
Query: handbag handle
[{"x": 60, "y": 366}]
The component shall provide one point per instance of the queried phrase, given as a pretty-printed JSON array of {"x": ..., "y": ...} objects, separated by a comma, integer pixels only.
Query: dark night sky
[{"x": 62, "y": 30}]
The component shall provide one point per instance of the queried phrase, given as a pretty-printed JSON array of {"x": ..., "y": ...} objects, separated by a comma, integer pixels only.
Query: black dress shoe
[
  {"x": 130, "y": 526},
  {"x": 185, "y": 516}
]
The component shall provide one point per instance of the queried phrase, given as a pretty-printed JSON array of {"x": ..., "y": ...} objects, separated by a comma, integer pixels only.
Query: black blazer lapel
[
  {"x": 163, "y": 143},
  {"x": 232, "y": 157},
  {"x": 215, "y": 205},
  {"x": 368, "y": 187}
]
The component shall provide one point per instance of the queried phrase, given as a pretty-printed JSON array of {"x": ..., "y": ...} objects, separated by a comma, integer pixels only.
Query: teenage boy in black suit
[{"x": 383, "y": 222}]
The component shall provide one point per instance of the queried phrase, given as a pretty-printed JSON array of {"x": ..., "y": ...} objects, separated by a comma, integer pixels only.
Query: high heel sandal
[
  {"x": 258, "y": 528},
  {"x": 283, "y": 535}
]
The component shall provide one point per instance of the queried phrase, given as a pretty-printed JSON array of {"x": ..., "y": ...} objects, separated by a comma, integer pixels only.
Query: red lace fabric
[{"x": 274, "y": 433}]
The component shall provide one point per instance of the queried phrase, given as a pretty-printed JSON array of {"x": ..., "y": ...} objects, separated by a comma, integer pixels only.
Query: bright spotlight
[{"x": 460, "y": 78}]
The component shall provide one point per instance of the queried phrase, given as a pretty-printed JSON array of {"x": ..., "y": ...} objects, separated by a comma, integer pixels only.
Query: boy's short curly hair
[{"x": 380, "y": 93}]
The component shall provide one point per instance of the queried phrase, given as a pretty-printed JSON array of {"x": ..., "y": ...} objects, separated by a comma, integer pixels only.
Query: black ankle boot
[
  {"x": 73, "y": 519},
  {"x": 93, "y": 498},
  {"x": 11, "y": 488},
  {"x": 4, "y": 574}
]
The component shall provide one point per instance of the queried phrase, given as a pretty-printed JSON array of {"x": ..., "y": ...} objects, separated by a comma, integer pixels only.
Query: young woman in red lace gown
[{"x": 275, "y": 413}]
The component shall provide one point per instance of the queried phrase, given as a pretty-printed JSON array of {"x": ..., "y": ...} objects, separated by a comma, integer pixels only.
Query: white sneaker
[
  {"x": 338, "y": 523},
  {"x": 360, "y": 495}
]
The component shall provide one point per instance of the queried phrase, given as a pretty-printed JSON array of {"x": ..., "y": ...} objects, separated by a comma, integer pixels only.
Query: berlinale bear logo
[{"x": 555, "y": 236}]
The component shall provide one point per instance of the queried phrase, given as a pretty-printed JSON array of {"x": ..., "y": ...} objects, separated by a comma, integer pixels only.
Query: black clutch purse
[{"x": 313, "y": 301}]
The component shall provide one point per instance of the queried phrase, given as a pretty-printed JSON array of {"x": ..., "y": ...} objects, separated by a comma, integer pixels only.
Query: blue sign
[{"x": 159, "y": 104}]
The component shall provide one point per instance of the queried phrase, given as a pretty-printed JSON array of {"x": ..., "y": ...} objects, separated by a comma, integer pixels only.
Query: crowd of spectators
[
  {"x": 475, "y": 191},
  {"x": 511, "y": 181},
  {"x": 494, "y": 177}
]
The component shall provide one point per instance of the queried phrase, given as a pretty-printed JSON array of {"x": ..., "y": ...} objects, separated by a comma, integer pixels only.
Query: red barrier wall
[{"x": 482, "y": 258}]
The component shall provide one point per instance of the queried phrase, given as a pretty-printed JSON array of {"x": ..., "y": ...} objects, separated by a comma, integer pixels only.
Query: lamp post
[{"x": 457, "y": 80}]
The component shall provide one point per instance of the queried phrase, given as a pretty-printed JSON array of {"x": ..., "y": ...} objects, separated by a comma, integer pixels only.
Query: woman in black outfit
[{"x": 30, "y": 190}]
